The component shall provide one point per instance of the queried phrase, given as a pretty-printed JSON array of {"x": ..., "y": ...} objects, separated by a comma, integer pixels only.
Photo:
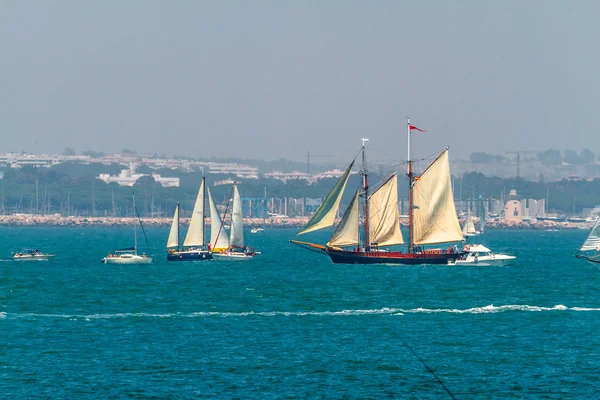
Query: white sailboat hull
[
  {"x": 129, "y": 259},
  {"x": 233, "y": 255}
]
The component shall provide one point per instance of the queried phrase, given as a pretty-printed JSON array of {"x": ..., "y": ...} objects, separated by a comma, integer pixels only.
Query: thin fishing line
[{"x": 431, "y": 371}]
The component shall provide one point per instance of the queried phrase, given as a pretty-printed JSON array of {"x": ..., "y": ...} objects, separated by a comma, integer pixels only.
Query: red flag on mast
[{"x": 414, "y": 127}]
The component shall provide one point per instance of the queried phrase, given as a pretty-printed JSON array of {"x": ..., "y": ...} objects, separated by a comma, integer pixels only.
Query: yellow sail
[
  {"x": 173, "y": 240},
  {"x": 195, "y": 233},
  {"x": 384, "y": 217},
  {"x": 325, "y": 214},
  {"x": 346, "y": 233},
  {"x": 434, "y": 213}
]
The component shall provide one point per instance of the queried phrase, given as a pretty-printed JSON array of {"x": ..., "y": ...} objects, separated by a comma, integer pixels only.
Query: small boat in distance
[
  {"x": 32, "y": 255},
  {"x": 257, "y": 230},
  {"x": 236, "y": 249},
  {"x": 468, "y": 228},
  {"x": 129, "y": 255},
  {"x": 590, "y": 250},
  {"x": 193, "y": 244},
  {"x": 479, "y": 255}
]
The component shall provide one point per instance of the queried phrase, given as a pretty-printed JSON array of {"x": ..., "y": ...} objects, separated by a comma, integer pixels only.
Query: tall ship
[
  {"x": 236, "y": 250},
  {"x": 432, "y": 218},
  {"x": 193, "y": 248}
]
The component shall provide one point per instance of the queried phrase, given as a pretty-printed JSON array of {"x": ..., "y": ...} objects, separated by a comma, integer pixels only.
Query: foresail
[
  {"x": 218, "y": 235},
  {"x": 325, "y": 215},
  {"x": 195, "y": 233},
  {"x": 593, "y": 240},
  {"x": 384, "y": 217},
  {"x": 346, "y": 233},
  {"x": 173, "y": 240},
  {"x": 237, "y": 221},
  {"x": 435, "y": 219}
]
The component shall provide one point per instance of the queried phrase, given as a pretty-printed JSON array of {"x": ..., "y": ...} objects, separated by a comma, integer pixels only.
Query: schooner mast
[
  {"x": 409, "y": 172},
  {"x": 365, "y": 182}
]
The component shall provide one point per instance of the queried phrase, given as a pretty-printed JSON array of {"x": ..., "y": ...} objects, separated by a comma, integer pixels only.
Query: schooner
[{"x": 432, "y": 218}]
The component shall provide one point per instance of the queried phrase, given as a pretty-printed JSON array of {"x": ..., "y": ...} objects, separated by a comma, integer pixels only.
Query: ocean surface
[{"x": 290, "y": 324}]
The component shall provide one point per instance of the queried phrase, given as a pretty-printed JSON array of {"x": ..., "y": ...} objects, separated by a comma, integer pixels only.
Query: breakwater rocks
[{"x": 55, "y": 220}]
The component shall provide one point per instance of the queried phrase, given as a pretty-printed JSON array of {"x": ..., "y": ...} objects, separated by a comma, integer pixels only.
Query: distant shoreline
[{"x": 58, "y": 221}]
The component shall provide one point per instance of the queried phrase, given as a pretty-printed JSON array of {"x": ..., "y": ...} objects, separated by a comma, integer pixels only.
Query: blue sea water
[{"x": 290, "y": 324}]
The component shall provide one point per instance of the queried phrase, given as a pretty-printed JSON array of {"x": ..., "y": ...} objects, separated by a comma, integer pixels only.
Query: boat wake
[{"x": 490, "y": 309}]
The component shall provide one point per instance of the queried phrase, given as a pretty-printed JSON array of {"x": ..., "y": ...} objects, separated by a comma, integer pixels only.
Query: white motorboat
[
  {"x": 32, "y": 255},
  {"x": 479, "y": 255},
  {"x": 257, "y": 230}
]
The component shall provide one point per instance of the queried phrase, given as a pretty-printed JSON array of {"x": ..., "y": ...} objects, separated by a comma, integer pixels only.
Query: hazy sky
[{"x": 270, "y": 79}]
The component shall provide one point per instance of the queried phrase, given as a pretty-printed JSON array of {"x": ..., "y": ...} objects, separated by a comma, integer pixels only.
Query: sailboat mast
[
  {"x": 366, "y": 194},
  {"x": 203, "y": 208},
  {"x": 410, "y": 194},
  {"x": 178, "y": 246},
  {"x": 134, "y": 227}
]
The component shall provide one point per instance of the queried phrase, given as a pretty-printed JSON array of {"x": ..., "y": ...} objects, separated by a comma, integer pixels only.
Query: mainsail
[
  {"x": 435, "y": 219},
  {"x": 593, "y": 240},
  {"x": 237, "y": 222},
  {"x": 346, "y": 233},
  {"x": 173, "y": 240},
  {"x": 325, "y": 214},
  {"x": 384, "y": 217},
  {"x": 195, "y": 234},
  {"x": 218, "y": 235},
  {"x": 469, "y": 226}
]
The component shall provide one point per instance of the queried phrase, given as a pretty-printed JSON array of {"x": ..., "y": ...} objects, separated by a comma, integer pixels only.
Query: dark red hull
[{"x": 392, "y": 257}]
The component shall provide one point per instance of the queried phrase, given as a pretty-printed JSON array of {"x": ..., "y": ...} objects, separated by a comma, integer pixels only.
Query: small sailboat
[
  {"x": 32, "y": 255},
  {"x": 129, "y": 255},
  {"x": 468, "y": 228},
  {"x": 590, "y": 250},
  {"x": 234, "y": 242},
  {"x": 193, "y": 245},
  {"x": 432, "y": 218}
]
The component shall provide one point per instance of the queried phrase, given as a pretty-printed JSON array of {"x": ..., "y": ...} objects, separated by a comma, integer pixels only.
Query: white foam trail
[{"x": 490, "y": 309}]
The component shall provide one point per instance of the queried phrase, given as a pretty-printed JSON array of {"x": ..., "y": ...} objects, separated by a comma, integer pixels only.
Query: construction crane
[
  {"x": 308, "y": 156},
  {"x": 518, "y": 153}
]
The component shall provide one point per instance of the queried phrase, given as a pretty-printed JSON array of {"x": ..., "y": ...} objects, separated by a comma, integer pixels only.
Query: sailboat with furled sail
[
  {"x": 590, "y": 250},
  {"x": 236, "y": 249},
  {"x": 193, "y": 244},
  {"x": 432, "y": 218}
]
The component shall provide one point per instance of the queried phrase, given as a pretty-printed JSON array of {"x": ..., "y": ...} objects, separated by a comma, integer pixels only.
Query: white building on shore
[{"x": 128, "y": 177}]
